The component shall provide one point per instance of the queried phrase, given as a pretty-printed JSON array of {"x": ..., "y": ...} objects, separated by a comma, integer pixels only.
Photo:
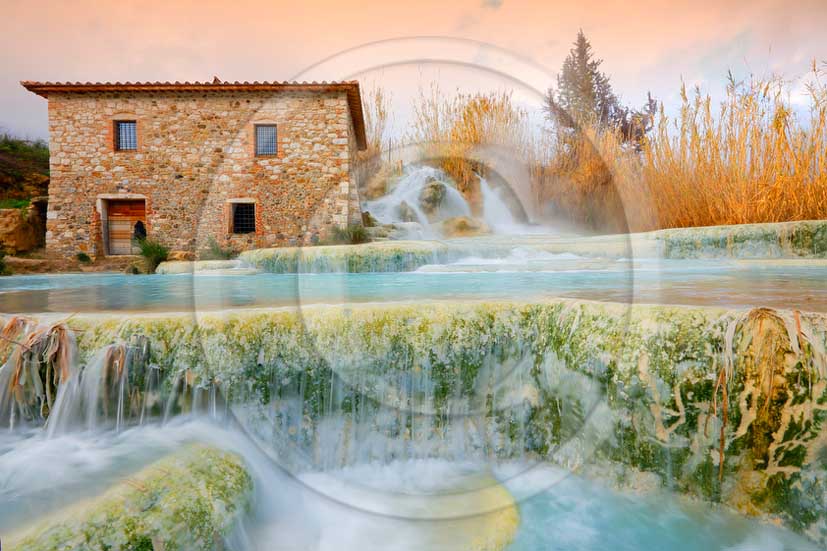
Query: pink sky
[{"x": 645, "y": 45}]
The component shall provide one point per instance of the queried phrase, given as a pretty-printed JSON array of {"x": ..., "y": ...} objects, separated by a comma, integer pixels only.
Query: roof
[{"x": 351, "y": 88}]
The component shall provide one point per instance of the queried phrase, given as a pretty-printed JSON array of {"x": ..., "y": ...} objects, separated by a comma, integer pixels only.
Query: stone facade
[{"x": 196, "y": 157}]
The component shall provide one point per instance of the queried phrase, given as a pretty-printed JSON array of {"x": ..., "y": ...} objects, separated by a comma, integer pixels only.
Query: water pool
[
  {"x": 323, "y": 511},
  {"x": 799, "y": 285}
]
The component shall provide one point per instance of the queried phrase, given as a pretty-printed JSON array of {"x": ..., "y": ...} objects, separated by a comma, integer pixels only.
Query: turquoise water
[
  {"x": 325, "y": 511},
  {"x": 558, "y": 512},
  {"x": 578, "y": 515},
  {"x": 718, "y": 283}
]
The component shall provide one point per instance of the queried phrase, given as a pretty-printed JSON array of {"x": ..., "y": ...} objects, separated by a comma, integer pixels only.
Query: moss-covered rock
[
  {"x": 383, "y": 256},
  {"x": 807, "y": 239},
  {"x": 184, "y": 502},
  {"x": 728, "y": 405}
]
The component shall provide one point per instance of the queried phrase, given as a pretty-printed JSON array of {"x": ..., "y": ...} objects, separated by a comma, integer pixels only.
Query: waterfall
[
  {"x": 115, "y": 388},
  {"x": 495, "y": 211},
  {"x": 498, "y": 215},
  {"x": 39, "y": 358},
  {"x": 45, "y": 382},
  {"x": 404, "y": 201},
  {"x": 405, "y": 205},
  {"x": 373, "y": 385}
]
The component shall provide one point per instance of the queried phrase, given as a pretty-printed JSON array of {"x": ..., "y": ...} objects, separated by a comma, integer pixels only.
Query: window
[
  {"x": 244, "y": 217},
  {"x": 266, "y": 140},
  {"x": 126, "y": 135}
]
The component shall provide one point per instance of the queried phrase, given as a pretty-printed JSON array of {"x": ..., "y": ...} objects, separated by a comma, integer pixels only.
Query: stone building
[{"x": 246, "y": 164}]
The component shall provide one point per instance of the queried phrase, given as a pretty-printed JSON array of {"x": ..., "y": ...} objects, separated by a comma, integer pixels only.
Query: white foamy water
[
  {"x": 496, "y": 212},
  {"x": 519, "y": 259},
  {"x": 417, "y": 504},
  {"x": 388, "y": 209}
]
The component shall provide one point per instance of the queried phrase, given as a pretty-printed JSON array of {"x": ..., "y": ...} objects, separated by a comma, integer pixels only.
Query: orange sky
[{"x": 646, "y": 45}]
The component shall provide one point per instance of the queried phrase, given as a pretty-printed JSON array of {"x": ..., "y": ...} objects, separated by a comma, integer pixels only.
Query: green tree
[{"x": 584, "y": 95}]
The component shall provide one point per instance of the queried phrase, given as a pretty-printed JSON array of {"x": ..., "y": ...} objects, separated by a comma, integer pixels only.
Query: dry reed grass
[
  {"x": 450, "y": 130},
  {"x": 750, "y": 160},
  {"x": 755, "y": 157}
]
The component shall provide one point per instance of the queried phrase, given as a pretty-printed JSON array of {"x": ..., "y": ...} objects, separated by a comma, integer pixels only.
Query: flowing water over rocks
[
  {"x": 423, "y": 195},
  {"x": 506, "y": 420}
]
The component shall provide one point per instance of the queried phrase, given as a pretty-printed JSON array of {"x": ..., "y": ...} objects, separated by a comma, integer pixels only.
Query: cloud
[{"x": 644, "y": 45}]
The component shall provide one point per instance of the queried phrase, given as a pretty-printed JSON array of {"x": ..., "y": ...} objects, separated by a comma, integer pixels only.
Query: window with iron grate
[
  {"x": 244, "y": 217},
  {"x": 126, "y": 135},
  {"x": 266, "y": 143}
]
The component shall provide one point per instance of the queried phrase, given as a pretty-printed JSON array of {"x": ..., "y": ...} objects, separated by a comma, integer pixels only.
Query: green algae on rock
[
  {"x": 184, "y": 502},
  {"x": 726, "y": 405},
  {"x": 175, "y": 267},
  {"x": 806, "y": 239},
  {"x": 777, "y": 240},
  {"x": 381, "y": 256}
]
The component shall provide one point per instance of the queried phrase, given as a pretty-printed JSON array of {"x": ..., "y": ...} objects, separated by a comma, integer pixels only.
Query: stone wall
[{"x": 195, "y": 155}]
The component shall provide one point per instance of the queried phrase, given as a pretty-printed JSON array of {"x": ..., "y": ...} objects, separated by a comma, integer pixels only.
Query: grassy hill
[{"x": 24, "y": 170}]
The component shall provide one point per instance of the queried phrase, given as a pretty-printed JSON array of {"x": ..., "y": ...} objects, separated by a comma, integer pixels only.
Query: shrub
[
  {"x": 14, "y": 204},
  {"x": 153, "y": 252},
  {"x": 33, "y": 151},
  {"x": 215, "y": 251},
  {"x": 83, "y": 257},
  {"x": 351, "y": 235}
]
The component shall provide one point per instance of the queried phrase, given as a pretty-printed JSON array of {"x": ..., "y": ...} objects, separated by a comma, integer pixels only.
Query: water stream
[
  {"x": 315, "y": 511},
  {"x": 405, "y": 204},
  {"x": 523, "y": 274},
  {"x": 462, "y": 404},
  {"x": 351, "y": 458}
]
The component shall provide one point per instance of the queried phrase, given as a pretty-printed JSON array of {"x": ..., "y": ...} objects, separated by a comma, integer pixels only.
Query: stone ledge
[
  {"x": 788, "y": 240},
  {"x": 182, "y": 502}
]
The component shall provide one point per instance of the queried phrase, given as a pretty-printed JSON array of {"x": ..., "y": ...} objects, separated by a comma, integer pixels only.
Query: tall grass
[
  {"x": 450, "y": 128},
  {"x": 575, "y": 179},
  {"x": 456, "y": 133},
  {"x": 754, "y": 156},
  {"x": 751, "y": 159},
  {"x": 153, "y": 253},
  {"x": 377, "y": 109}
]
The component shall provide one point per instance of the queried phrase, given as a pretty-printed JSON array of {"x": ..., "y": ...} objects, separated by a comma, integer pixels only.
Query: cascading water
[
  {"x": 117, "y": 387},
  {"x": 405, "y": 202},
  {"x": 424, "y": 196},
  {"x": 496, "y": 212},
  {"x": 418, "y": 413},
  {"x": 38, "y": 359}
]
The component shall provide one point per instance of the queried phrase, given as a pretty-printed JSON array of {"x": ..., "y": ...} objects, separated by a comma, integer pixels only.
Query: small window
[
  {"x": 266, "y": 140},
  {"x": 126, "y": 135},
  {"x": 244, "y": 217}
]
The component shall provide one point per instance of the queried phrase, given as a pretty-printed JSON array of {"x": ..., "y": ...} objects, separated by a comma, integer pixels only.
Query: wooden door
[{"x": 122, "y": 215}]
